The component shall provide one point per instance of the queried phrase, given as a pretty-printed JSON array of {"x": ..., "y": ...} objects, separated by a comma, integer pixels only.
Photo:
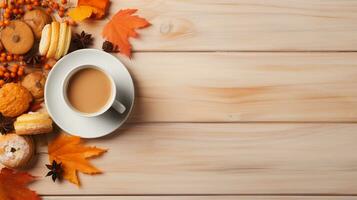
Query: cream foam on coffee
[{"x": 89, "y": 90}]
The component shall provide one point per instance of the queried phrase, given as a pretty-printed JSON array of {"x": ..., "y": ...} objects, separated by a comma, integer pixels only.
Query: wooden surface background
[{"x": 236, "y": 99}]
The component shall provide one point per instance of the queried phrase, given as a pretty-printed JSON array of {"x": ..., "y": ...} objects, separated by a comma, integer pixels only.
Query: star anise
[
  {"x": 6, "y": 124},
  {"x": 83, "y": 40},
  {"x": 109, "y": 47},
  {"x": 56, "y": 170},
  {"x": 33, "y": 57}
]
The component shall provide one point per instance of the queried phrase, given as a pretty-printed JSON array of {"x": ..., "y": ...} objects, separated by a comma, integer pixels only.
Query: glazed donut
[{"x": 15, "y": 150}]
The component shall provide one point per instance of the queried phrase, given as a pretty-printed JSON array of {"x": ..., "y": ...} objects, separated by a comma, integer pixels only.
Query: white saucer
[{"x": 71, "y": 122}]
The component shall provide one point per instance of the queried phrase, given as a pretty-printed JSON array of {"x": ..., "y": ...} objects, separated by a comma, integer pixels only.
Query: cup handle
[{"x": 119, "y": 107}]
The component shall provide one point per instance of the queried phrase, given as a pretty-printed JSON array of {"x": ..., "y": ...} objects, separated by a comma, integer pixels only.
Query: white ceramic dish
[{"x": 72, "y": 122}]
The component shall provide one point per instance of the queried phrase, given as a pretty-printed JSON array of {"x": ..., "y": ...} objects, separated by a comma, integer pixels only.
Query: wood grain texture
[
  {"x": 195, "y": 158},
  {"x": 244, "y": 87},
  {"x": 204, "y": 198},
  {"x": 242, "y": 25}
]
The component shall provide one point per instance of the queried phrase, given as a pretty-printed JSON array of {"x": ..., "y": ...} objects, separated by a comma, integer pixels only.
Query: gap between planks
[{"x": 204, "y": 197}]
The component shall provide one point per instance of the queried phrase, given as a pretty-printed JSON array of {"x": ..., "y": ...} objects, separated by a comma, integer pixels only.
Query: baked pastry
[
  {"x": 33, "y": 124},
  {"x": 35, "y": 83},
  {"x": 17, "y": 37},
  {"x": 61, "y": 40},
  {"x": 55, "y": 40},
  {"x": 67, "y": 41},
  {"x": 16, "y": 151},
  {"x": 37, "y": 19},
  {"x": 14, "y": 99},
  {"x": 55, "y": 29},
  {"x": 45, "y": 40}
]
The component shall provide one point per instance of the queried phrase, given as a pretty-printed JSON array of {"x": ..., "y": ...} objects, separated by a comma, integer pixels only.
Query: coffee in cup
[{"x": 90, "y": 91}]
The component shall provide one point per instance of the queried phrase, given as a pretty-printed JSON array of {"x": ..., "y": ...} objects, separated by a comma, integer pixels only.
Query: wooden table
[{"x": 236, "y": 99}]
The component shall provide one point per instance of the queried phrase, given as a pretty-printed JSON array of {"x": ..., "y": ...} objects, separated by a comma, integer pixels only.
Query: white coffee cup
[{"x": 111, "y": 103}]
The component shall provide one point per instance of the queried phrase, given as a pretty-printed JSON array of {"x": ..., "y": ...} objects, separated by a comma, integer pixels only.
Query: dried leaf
[
  {"x": 13, "y": 185},
  {"x": 121, "y": 27},
  {"x": 81, "y": 13},
  {"x": 73, "y": 155}
]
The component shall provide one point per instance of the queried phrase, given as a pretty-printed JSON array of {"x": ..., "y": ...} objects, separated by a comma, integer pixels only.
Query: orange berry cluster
[
  {"x": 8, "y": 57},
  {"x": 11, "y": 73},
  {"x": 53, "y": 6},
  {"x": 12, "y": 9}
]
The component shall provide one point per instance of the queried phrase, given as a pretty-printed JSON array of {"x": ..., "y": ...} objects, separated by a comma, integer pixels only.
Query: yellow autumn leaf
[
  {"x": 73, "y": 154},
  {"x": 81, "y": 13}
]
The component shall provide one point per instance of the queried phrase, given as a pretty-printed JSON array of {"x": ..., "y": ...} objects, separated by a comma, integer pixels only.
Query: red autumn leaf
[
  {"x": 13, "y": 185},
  {"x": 121, "y": 27}
]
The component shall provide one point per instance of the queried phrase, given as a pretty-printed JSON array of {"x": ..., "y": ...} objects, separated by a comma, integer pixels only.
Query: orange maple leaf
[
  {"x": 121, "y": 27},
  {"x": 73, "y": 155},
  {"x": 13, "y": 185}
]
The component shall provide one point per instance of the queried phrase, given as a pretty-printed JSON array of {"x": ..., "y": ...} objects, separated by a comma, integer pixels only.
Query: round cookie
[
  {"x": 14, "y": 99},
  {"x": 37, "y": 19},
  {"x": 35, "y": 83},
  {"x": 15, "y": 150},
  {"x": 17, "y": 37}
]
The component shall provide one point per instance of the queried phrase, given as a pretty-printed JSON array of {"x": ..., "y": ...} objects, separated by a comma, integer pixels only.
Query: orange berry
[
  {"x": 47, "y": 66},
  {"x": 3, "y": 54},
  {"x": 8, "y": 10},
  {"x": 6, "y": 74},
  {"x": 15, "y": 11},
  {"x": 49, "y": 11},
  {"x": 6, "y": 22},
  {"x": 16, "y": 66},
  {"x": 13, "y": 74},
  {"x": 19, "y": 2},
  {"x": 20, "y": 73},
  {"x": 3, "y": 4},
  {"x": 1, "y": 23},
  {"x": 2, "y": 68},
  {"x": 1, "y": 73},
  {"x": 61, "y": 9},
  {"x": 61, "y": 13},
  {"x": 21, "y": 11},
  {"x": 16, "y": 57},
  {"x": 28, "y": 1},
  {"x": 29, "y": 7},
  {"x": 55, "y": 5},
  {"x": 9, "y": 58},
  {"x": 2, "y": 82},
  {"x": 36, "y": 3},
  {"x": 2, "y": 59},
  {"x": 6, "y": 15},
  {"x": 63, "y": 1}
]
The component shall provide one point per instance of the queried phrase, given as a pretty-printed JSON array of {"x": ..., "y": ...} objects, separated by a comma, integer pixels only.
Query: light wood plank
[
  {"x": 242, "y": 25},
  {"x": 236, "y": 87},
  {"x": 219, "y": 159},
  {"x": 205, "y": 198}
]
